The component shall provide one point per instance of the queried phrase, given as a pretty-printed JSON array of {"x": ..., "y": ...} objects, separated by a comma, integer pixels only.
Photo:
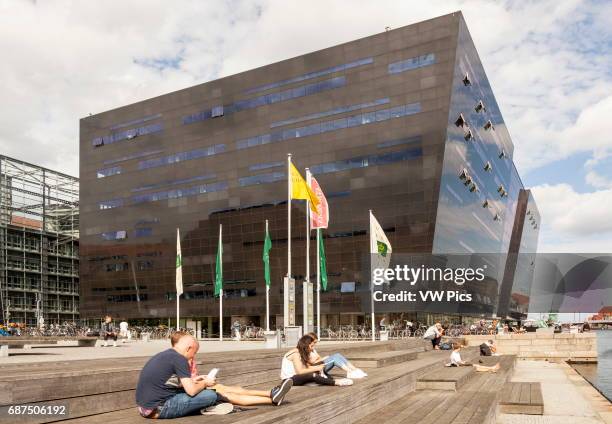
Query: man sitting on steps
[{"x": 166, "y": 388}]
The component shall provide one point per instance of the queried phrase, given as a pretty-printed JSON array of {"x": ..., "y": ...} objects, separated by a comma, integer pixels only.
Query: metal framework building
[{"x": 39, "y": 243}]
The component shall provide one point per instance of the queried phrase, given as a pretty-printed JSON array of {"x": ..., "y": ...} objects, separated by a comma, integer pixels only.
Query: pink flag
[{"x": 320, "y": 219}]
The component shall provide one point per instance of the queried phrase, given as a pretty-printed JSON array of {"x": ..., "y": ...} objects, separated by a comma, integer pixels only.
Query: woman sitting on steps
[{"x": 296, "y": 366}]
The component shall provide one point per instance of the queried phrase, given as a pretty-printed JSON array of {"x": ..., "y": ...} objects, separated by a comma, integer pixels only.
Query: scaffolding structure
[{"x": 39, "y": 244}]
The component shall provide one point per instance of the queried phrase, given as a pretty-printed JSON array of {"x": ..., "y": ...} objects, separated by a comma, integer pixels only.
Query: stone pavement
[{"x": 568, "y": 398}]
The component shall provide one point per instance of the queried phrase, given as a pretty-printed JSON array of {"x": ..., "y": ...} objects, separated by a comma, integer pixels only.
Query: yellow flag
[{"x": 300, "y": 190}]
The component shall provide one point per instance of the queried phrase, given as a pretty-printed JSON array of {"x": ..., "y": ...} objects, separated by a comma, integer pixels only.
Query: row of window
[
  {"x": 260, "y": 166},
  {"x": 315, "y": 74},
  {"x": 110, "y": 204},
  {"x": 114, "y": 235},
  {"x": 182, "y": 156},
  {"x": 127, "y": 134},
  {"x": 119, "y": 298},
  {"x": 181, "y": 192},
  {"x": 136, "y": 121},
  {"x": 399, "y": 141},
  {"x": 107, "y": 172},
  {"x": 176, "y": 182},
  {"x": 117, "y": 288},
  {"x": 143, "y": 232},
  {"x": 338, "y": 166},
  {"x": 336, "y": 111},
  {"x": 412, "y": 63},
  {"x": 134, "y": 156},
  {"x": 268, "y": 99},
  {"x": 337, "y": 124}
]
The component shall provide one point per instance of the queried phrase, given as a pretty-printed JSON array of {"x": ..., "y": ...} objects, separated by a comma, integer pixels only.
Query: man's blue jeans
[
  {"x": 335, "y": 360},
  {"x": 182, "y": 404}
]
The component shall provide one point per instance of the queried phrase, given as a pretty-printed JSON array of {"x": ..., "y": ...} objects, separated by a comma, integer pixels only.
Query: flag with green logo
[
  {"x": 322, "y": 262},
  {"x": 380, "y": 248},
  {"x": 179, "y": 265},
  {"x": 219, "y": 266},
  {"x": 266, "y": 256}
]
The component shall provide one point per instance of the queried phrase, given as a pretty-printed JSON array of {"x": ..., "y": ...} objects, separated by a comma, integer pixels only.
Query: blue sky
[{"x": 549, "y": 63}]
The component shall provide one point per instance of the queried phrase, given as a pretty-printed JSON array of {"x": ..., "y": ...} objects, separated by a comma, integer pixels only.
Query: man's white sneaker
[{"x": 344, "y": 382}]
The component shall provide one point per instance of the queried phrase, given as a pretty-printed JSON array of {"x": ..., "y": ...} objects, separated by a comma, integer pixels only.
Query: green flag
[
  {"x": 266, "y": 256},
  {"x": 322, "y": 264},
  {"x": 219, "y": 267}
]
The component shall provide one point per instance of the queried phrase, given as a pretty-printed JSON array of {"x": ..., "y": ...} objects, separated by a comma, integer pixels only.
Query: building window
[
  {"x": 143, "y": 232},
  {"x": 480, "y": 107},
  {"x": 489, "y": 125},
  {"x": 468, "y": 135},
  {"x": 485, "y": 204},
  {"x": 216, "y": 111},
  {"x": 466, "y": 80},
  {"x": 330, "y": 112},
  {"x": 461, "y": 122},
  {"x": 110, "y": 204},
  {"x": 502, "y": 191},
  {"x": 182, "y": 192},
  {"x": 315, "y": 74},
  {"x": 488, "y": 167},
  {"x": 267, "y": 99},
  {"x": 117, "y": 267},
  {"x": 182, "y": 156},
  {"x": 502, "y": 154},
  {"x": 144, "y": 265},
  {"x": 412, "y": 63},
  {"x": 107, "y": 172},
  {"x": 114, "y": 235},
  {"x": 323, "y": 127},
  {"x": 127, "y": 134}
]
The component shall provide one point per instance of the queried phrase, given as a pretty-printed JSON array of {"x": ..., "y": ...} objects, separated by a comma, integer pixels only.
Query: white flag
[
  {"x": 380, "y": 248},
  {"x": 179, "y": 265}
]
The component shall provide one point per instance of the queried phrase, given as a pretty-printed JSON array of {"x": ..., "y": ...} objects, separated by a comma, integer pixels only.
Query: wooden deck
[
  {"x": 102, "y": 391},
  {"x": 522, "y": 398}
]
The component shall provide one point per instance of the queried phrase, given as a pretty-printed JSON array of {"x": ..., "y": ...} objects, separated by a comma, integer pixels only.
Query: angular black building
[{"x": 402, "y": 122}]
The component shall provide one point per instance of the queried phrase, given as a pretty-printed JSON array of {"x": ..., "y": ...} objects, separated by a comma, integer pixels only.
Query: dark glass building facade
[{"x": 376, "y": 121}]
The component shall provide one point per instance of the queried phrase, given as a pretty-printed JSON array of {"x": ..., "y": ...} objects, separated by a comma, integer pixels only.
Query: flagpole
[
  {"x": 318, "y": 284},
  {"x": 221, "y": 290},
  {"x": 285, "y": 302},
  {"x": 267, "y": 294},
  {"x": 307, "y": 279},
  {"x": 179, "y": 269},
  {"x": 372, "y": 286}
]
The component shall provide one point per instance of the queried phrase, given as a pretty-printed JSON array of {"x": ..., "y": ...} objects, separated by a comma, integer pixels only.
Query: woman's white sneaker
[
  {"x": 344, "y": 382},
  {"x": 356, "y": 374}
]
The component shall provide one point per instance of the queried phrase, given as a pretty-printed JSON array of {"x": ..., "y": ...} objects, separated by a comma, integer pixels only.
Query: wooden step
[
  {"x": 474, "y": 403},
  {"x": 330, "y": 404},
  {"x": 445, "y": 378},
  {"x": 383, "y": 359},
  {"x": 522, "y": 398}
]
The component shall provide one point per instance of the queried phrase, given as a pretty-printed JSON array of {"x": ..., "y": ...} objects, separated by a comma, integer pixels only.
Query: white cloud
[
  {"x": 548, "y": 62},
  {"x": 574, "y": 222}
]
